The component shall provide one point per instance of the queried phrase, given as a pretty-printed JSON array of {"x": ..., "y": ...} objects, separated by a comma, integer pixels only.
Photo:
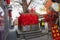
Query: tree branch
[
  {"x": 21, "y": 4},
  {"x": 18, "y": 2},
  {"x": 25, "y": 6},
  {"x": 30, "y": 2}
]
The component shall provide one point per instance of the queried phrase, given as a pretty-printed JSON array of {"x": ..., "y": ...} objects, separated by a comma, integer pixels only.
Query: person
[{"x": 1, "y": 24}]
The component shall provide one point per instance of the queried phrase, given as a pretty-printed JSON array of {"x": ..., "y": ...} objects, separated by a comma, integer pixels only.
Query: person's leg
[
  {"x": 12, "y": 36},
  {"x": 0, "y": 36},
  {"x": 3, "y": 35}
]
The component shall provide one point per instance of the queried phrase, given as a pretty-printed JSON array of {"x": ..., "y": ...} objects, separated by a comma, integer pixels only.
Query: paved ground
[
  {"x": 40, "y": 38},
  {"x": 12, "y": 36}
]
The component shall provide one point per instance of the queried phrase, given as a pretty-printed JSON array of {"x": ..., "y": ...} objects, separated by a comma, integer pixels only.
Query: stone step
[{"x": 34, "y": 36}]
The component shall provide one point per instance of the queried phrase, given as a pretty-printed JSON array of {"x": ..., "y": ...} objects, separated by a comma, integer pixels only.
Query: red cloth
[{"x": 27, "y": 19}]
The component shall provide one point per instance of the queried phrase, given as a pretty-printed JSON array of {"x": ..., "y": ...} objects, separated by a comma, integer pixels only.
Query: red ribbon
[{"x": 27, "y": 19}]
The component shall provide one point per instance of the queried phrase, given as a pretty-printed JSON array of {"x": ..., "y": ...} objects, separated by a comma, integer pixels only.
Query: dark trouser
[
  {"x": 1, "y": 35},
  {"x": 12, "y": 36}
]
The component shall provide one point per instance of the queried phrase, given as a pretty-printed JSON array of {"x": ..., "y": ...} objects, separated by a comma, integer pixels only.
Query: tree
[{"x": 25, "y": 5}]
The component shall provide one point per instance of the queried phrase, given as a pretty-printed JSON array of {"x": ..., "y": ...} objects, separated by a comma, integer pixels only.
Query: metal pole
[{"x": 59, "y": 15}]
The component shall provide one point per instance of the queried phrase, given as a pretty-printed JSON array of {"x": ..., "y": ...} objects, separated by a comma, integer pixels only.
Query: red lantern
[{"x": 8, "y": 2}]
